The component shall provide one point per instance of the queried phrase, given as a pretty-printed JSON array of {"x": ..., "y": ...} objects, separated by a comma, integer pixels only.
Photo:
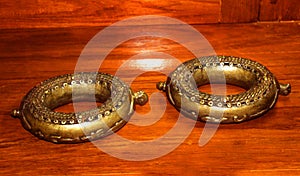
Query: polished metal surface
[
  {"x": 37, "y": 113},
  {"x": 261, "y": 86}
]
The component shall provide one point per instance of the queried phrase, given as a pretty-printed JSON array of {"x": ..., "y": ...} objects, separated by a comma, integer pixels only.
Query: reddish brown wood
[
  {"x": 265, "y": 146},
  {"x": 281, "y": 10},
  {"x": 270, "y": 10},
  {"x": 66, "y": 13},
  {"x": 237, "y": 11}
]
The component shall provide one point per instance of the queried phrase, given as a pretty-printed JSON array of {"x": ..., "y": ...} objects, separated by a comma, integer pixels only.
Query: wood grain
[
  {"x": 74, "y": 13},
  {"x": 238, "y": 11},
  {"x": 279, "y": 10},
  {"x": 68, "y": 13},
  {"x": 265, "y": 146}
]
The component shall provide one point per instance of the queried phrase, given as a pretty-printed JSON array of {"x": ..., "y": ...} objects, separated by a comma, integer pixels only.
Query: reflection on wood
[{"x": 265, "y": 146}]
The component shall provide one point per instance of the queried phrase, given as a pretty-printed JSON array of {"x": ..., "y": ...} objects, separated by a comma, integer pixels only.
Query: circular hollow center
[
  {"x": 83, "y": 97},
  {"x": 81, "y": 106},
  {"x": 224, "y": 80},
  {"x": 219, "y": 89}
]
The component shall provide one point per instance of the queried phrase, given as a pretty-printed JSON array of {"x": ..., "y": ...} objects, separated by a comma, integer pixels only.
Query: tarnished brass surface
[
  {"x": 37, "y": 115},
  {"x": 261, "y": 86}
]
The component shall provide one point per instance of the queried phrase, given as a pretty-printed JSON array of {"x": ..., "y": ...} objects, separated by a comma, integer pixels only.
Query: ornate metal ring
[
  {"x": 261, "y": 86},
  {"x": 38, "y": 117}
]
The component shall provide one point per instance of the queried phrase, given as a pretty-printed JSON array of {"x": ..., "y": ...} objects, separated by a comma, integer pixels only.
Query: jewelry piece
[
  {"x": 38, "y": 117},
  {"x": 261, "y": 95}
]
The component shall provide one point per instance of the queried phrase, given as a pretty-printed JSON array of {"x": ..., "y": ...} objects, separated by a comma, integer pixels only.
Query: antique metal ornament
[
  {"x": 261, "y": 86},
  {"x": 37, "y": 113}
]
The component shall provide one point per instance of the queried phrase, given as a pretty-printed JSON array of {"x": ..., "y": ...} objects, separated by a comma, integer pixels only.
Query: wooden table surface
[{"x": 269, "y": 145}]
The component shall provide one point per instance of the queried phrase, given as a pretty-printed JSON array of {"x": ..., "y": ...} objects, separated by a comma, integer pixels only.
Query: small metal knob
[
  {"x": 15, "y": 113},
  {"x": 140, "y": 98},
  {"x": 161, "y": 86},
  {"x": 285, "y": 89}
]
